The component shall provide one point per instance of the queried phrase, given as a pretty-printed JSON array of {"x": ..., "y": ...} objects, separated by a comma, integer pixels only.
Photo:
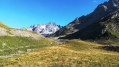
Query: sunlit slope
[
  {"x": 15, "y": 41},
  {"x": 3, "y": 25},
  {"x": 8, "y": 31},
  {"x": 10, "y": 46},
  {"x": 74, "y": 53}
]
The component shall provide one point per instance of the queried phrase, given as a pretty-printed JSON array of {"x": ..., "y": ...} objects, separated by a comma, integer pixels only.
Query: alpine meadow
[{"x": 90, "y": 40}]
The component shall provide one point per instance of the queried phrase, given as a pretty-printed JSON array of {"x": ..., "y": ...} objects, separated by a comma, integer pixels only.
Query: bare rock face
[
  {"x": 22, "y": 33},
  {"x": 44, "y": 29},
  {"x": 114, "y": 3},
  {"x": 3, "y": 32}
]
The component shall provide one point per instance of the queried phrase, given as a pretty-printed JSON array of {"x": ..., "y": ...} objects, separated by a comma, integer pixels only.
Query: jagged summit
[
  {"x": 114, "y": 3},
  {"x": 110, "y": 5},
  {"x": 44, "y": 29}
]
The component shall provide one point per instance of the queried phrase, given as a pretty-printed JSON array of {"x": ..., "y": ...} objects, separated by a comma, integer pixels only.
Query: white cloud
[{"x": 95, "y": 1}]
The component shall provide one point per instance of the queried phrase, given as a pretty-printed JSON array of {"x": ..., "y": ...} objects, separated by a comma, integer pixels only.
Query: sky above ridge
[{"x": 24, "y": 13}]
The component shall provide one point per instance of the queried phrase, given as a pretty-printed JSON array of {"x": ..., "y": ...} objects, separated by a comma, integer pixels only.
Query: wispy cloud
[{"x": 94, "y": 1}]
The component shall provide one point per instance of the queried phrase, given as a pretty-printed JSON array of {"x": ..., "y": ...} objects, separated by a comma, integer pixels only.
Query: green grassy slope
[
  {"x": 11, "y": 45},
  {"x": 74, "y": 53}
]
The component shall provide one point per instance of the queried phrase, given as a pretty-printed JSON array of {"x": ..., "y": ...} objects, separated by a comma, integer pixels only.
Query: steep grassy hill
[
  {"x": 73, "y": 53},
  {"x": 3, "y": 25}
]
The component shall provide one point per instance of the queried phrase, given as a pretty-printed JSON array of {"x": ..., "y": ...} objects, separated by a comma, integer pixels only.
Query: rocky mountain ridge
[
  {"x": 84, "y": 21},
  {"x": 44, "y": 29},
  {"x": 106, "y": 27}
]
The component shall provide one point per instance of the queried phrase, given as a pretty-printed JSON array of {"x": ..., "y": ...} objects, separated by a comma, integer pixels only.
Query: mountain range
[
  {"x": 101, "y": 24},
  {"x": 93, "y": 25},
  {"x": 88, "y": 41},
  {"x": 44, "y": 29}
]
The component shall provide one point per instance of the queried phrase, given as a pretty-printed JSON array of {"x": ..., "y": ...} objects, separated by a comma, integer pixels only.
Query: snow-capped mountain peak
[{"x": 44, "y": 29}]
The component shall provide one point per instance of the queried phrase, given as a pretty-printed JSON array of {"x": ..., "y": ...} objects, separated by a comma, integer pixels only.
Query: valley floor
[{"x": 73, "y": 53}]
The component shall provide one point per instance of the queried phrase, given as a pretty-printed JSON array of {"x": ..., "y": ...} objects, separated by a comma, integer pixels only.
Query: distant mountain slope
[
  {"x": 44, "y": 29},
  {"x": 84, "y": 21},
  {"x": 108, "y": 25},
  {"x": 106, "y": 30}
]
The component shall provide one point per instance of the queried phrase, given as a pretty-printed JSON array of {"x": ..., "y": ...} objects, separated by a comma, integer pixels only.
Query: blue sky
[{"x": 24, "y": 13}]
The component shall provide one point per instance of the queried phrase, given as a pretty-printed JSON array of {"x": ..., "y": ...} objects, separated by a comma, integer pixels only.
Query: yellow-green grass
[
  {"x": 79, "y": 44},
  {"x": 74, "y": 53},
  {"x": 4, "y": 26},
  {"x": 15, "y": 44}
]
